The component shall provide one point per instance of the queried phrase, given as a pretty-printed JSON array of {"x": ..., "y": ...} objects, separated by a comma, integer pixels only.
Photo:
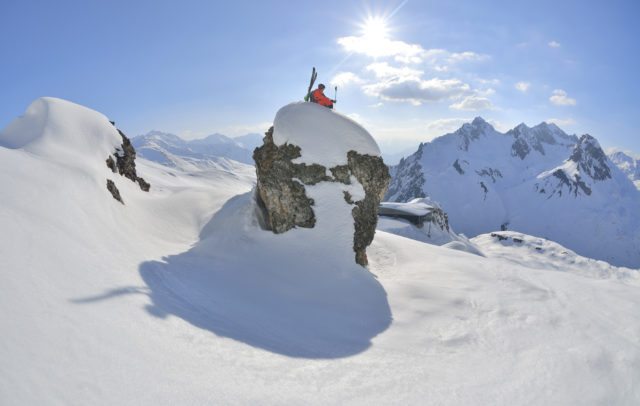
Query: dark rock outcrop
[
  {"x": 282, "y": 196},
  {"x": 111, "y": 187},
  {"x": 126, "y": 162},
  {"x": 125, "y": 165}
]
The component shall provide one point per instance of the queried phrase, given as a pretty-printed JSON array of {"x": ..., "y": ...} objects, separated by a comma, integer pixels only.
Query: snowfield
[{"x": 179, "y": 297}]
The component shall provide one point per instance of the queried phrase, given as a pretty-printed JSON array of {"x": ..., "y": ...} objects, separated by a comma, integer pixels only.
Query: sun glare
[{"x": 375, "y": 28}]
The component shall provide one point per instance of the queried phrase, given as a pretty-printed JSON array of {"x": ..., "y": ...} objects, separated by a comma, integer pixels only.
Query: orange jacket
[{"x": 317, "y": 96}]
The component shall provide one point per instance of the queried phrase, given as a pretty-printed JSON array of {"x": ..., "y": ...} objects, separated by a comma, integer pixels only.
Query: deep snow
[
  {"x": 324, "y": 135},
  {"x": 178, "y": 297}
]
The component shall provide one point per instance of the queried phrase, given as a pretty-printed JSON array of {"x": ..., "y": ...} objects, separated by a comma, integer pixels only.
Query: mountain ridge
[{"x": 537, "y": 180}]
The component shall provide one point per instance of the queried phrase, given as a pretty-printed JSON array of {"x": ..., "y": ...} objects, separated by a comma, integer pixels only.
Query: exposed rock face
[
  {"x": 125, "y": 165},
  {"x": 126, "y": 162},
  {"x": 282, "y": 195},
  {"x": 111, "y": 187},
  {"x": 408, "y": 180},
  {"x": 591, "y": 158},
  {"x": 374, "y": 177}
]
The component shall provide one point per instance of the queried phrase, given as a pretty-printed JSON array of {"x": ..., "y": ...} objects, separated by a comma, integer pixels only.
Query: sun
[{"x": 375, "y": 28}]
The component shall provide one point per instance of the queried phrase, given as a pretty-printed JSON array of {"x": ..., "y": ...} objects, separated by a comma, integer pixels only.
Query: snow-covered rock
[
  {"x": 314, "y": 157},
  {"x": 537, "y": 180},
  {"x": 423, "y": 220}
]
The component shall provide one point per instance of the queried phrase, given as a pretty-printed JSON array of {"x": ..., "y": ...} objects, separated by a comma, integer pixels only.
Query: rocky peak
[
  {"x": 590, "y": 158},
  {"x": 534, "y": 138},
  {"x": 473, "y": 131}
]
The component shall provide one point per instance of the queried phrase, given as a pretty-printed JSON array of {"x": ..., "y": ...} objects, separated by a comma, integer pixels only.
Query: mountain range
[
  {"x": 215, "y": 149},
  {"x": 536, "y": 180}
]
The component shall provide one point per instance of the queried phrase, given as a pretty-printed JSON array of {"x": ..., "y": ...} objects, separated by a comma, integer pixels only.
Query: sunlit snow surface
[
  {"x": 324, "y": 136},
  {"x": 178, "y": 297}
]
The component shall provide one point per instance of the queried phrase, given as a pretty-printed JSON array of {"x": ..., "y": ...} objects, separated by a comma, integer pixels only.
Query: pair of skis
[{"x": 314, "y": 76}]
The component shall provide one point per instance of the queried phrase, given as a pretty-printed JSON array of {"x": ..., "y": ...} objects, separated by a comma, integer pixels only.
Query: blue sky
[{"x": 419, "y": 70}]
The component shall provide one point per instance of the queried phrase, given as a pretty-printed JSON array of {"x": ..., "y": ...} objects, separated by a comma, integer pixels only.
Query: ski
[{"x": 314, "y": 75}]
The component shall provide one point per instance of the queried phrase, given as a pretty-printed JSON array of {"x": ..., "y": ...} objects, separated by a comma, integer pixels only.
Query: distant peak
[
  {"x": 591, "y": 158},
  {"x": 479, "y": 121}
]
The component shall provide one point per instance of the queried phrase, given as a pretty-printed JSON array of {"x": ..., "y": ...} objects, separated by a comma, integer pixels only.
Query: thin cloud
[
  {"x": 554, "y": 44},
  {"x": 560, "y": 98},
  {"x": 382, "y": 70},
  {"x": 562, "y": 122},
  {"x": 343, "y": 79},
  {"x": 417, "y": 91},
  {"x": 522, "y": 86},
  {"x": 473, "y": 103}
]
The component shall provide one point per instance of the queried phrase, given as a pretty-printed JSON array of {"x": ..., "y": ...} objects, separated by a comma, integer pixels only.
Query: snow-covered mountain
[
  {"x": 179, "y": 296},
  {"x": 627, "y": 164},
  {"x": 213, "y": 150},
  {"x": 537, "y": 180}
]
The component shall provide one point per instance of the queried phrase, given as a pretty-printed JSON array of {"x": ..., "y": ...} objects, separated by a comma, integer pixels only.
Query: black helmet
[{"x": 320, "y": 86}]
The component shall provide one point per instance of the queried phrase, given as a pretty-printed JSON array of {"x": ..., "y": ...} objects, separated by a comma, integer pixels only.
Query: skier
[{"x": 317, "y": 96}]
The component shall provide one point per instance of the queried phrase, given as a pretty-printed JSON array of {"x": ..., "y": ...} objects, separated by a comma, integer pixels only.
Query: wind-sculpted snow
[
  {"x": 269, "y": 291},
  {"x": 324, "y": 136}
]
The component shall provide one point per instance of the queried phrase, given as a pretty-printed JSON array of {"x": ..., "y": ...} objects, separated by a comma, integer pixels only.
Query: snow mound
[
  {"x": 324, "y": 136},
  {"x": 540, "y": 253},
  {"x": 62, "y": 131}
]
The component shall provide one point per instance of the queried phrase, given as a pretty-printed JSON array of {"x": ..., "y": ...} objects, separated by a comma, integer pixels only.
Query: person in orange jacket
[{"x": 317, "y": 96}]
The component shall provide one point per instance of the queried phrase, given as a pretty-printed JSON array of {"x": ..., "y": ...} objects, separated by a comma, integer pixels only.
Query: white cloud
[
  {"x": 382, "y": 70},
  {"x": 443, "y": 126},
  {"x": 554, "y": 44},
  {"x": 561, "y": 122},
  {"x": 466, "y": 56},
  {"x": 472, "y": 103},
  {"x": 492, "y": 82},
  {"x": 416, "y": 91},
  {"x": 404, "y": 52},
  {"x": 560, "y": 98},
  {"x": 343, "y": 79},
  {"x": 380, "y": 47},
  {"x": 523, "y": 86}
]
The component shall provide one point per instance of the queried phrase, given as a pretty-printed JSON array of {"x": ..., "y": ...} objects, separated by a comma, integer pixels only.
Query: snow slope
[
  {"x": 536, "y": 180},
  {"x": 178, "y": 297}
]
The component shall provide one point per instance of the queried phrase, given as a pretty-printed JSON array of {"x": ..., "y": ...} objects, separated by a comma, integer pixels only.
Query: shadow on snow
[{"x": 282, "y": 293}]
